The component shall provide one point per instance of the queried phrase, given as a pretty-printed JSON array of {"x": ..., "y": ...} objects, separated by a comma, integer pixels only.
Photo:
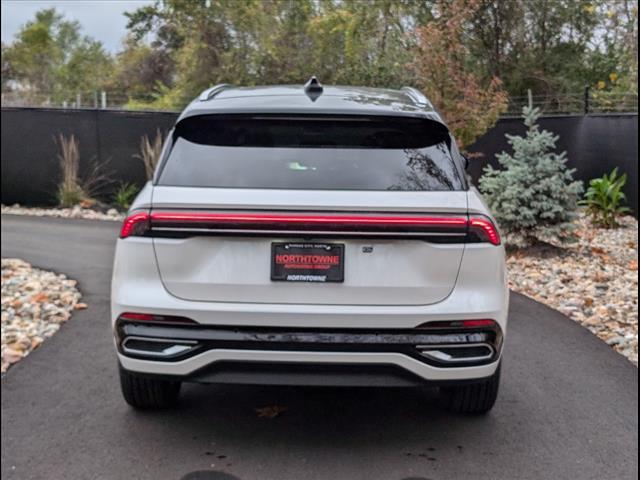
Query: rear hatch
[{"x": 245, "y": 206}]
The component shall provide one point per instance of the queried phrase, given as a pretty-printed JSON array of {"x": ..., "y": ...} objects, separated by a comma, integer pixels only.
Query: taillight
[
  {"x": 151, "y": 317},
  {"x": 453, "y": 228},
  {"x": 483, "y": 228},
  {"x": 135, "y": 224},
  {"x": 481, "y": 323}
]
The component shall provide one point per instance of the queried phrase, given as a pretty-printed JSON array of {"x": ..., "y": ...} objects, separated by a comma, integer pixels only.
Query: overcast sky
[{"x": 101, "y": 19}]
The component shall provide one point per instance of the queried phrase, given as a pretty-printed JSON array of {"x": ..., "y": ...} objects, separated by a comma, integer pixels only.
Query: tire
[
  {"x": 476, "y": 398},
  {"x": 147, "y": 393}
]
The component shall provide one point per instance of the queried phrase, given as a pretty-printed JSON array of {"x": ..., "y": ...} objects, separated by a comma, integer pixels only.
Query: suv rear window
[{"x": 311, "y": 152}]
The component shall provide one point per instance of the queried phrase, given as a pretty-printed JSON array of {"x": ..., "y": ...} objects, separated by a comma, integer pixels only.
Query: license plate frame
[{"x": 307, "y": 262}]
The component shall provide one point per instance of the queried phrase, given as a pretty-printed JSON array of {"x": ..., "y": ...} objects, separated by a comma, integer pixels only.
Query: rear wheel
[
  {"x": 473, "y": 398},
  {"x": 147, "y": 393}
]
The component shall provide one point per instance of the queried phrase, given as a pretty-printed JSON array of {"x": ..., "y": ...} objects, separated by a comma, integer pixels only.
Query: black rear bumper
[{"x": 308, "y": 375}]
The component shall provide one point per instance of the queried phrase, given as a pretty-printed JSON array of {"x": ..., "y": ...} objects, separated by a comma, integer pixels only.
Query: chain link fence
[{"x": 585, "y": 102}]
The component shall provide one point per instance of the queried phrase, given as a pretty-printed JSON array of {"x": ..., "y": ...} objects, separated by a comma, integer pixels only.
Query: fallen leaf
[
  {"x": 40, "y": 297},
  {"x": 270, "y": 411},
  {"x": 588, "y": 302},
  {"x": 20, "y": 345},
  {"x": 87, "y": 203},
  {"x": 80, "y": 306},
  {"x": 633, "y": 265}
]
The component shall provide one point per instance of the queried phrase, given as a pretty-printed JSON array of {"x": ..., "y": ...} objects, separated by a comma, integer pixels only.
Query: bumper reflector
[{"x": 149, "y": 317}]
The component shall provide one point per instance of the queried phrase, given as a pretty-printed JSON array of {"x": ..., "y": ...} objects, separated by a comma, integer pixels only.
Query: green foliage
[
  {"x": 141, "y": 71},
  {"x": 604, "y": 199},
  {"x": 554, "y": 47},
  {"x": 470, "y": 104},
  {"x": 274, "y": 42},
  {"x": 177, "y": 48},
  {"x": 551, "y": 47},
  {"x": 69, "y": 197},
  {"x": 533, "y": 195},
  {"x": 125, "y": 194},
  {"x": 49, "y": 56}
]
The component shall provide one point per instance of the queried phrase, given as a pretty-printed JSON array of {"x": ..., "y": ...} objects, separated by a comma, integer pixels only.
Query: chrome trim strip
[
  {"x": 432, "y": 351},
  {"x": 179, "y": 347}
]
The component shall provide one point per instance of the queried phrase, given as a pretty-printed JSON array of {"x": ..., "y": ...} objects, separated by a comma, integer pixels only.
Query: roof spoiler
[
  {"x": 211, "y": 92},
  {"x": 416, "y": 96}
]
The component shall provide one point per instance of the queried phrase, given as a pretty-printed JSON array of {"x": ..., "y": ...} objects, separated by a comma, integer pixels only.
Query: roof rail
[
  {"x": 416, "y": 96},
  {"x": 211, "y": 92}
]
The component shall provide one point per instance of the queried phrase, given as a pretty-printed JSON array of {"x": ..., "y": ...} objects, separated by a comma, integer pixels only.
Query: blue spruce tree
[{"x": 533, "y": 195}]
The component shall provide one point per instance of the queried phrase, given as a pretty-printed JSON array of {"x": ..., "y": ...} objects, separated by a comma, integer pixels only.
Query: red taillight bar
[
  {"x": 135, "y": 224},
  {"x": 482, "y": 227},
  {"x": 292, "y": 219}
]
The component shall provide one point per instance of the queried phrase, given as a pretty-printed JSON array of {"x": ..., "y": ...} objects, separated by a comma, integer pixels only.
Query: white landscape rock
[
  {"x": 594, "y": 282},
  {"x": 34, "y": 305},
  {"x": 74, "y": 212}
]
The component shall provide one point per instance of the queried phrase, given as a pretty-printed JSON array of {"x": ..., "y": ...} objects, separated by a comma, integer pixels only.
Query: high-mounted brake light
[{"x": 135, "y": 224}]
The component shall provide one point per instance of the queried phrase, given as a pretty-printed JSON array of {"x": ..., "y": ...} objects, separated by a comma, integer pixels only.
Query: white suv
[{"x": 314, "y": 236}]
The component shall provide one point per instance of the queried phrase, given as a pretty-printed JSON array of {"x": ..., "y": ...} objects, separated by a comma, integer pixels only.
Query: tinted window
[{"x": 344, "y": 153}]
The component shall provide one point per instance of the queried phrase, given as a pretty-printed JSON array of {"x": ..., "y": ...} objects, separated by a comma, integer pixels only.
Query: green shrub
[
  {"x": 604, "y": 199},
  {"x": 125, "y": 194},
  {"x": 533, "y": 195},
  {"x": 68, "y": 197}
]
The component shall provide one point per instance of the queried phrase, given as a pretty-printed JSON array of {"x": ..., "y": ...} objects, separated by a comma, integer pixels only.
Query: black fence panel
[
  {"x": 595, "y": 144},
  {"x": 30, "y": 165}
]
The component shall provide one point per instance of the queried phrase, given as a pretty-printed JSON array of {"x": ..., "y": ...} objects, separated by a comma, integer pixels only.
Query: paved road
[{"x": 568, "y": 407}]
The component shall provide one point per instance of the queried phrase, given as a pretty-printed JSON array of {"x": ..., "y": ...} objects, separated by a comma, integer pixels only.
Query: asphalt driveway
[{"x": 568, "y": 407}]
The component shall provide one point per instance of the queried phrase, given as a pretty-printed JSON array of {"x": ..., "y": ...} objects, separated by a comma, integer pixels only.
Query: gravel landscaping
[
  {"x": 75, "y": 212},
  {"x": 594, "y": 282},
  {"x": 34, "y": 305}
]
